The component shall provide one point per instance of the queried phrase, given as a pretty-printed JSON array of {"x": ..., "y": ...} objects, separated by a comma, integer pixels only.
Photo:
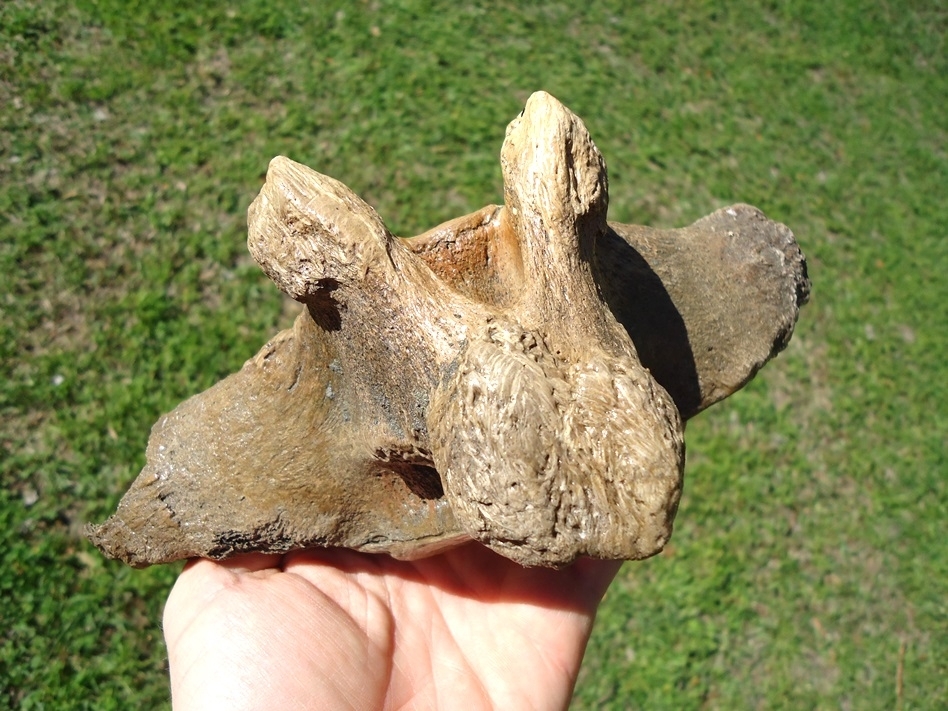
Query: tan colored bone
[{"x": 483, "y": 380}]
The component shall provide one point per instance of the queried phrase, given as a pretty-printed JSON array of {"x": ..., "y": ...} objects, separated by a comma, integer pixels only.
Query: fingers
[
  {"x": 595, "y": 577},
  {"x": 202, "y": 580},
  {"x": 245, "y": 563}
]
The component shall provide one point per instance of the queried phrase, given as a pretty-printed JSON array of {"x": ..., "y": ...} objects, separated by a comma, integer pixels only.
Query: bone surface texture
[{"x": 519, "y": 376}]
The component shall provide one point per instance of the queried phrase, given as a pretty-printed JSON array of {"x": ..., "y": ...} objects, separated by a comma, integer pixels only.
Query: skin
[{"x": 337, "y": 629}]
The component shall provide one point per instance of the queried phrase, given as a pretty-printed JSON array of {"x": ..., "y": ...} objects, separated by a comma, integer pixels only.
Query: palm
[{"x": 337, "y": 629}]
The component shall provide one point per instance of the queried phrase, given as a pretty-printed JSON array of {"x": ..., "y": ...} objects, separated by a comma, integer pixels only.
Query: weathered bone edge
[{"x": 519, "y": 376}]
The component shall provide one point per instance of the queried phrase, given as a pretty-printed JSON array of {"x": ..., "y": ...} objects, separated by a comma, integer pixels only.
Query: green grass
[{"x": 810, "y": 562}]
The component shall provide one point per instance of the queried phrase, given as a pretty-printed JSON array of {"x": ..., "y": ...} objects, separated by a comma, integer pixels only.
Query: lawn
[{"x": 809, "y": 567}]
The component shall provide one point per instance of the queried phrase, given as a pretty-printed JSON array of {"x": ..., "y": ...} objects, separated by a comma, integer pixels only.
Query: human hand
[{"x": 336, "y": 629}]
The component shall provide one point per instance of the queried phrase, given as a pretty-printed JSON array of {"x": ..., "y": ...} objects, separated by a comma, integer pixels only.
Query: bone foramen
[{"x": 518, "y": 376}]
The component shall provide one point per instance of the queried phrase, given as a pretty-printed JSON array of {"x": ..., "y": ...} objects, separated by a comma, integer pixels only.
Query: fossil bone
[{"x": 518, "y": 376}]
